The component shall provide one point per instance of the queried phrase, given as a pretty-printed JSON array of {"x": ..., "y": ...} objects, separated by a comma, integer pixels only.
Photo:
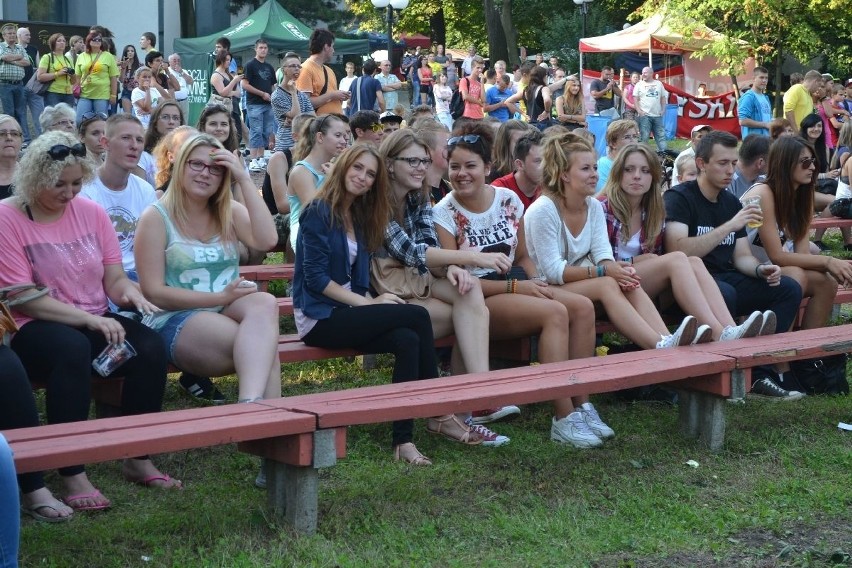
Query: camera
[{"x": 69, "y": 70}]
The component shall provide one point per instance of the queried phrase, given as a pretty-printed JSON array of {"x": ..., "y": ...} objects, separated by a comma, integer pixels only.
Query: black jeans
[
  {"x": 403, "y": 330},
  {"x": 744, "y": 295},
  {"x": 62, "y": 355},
  {"x": 17, "y": 408}
]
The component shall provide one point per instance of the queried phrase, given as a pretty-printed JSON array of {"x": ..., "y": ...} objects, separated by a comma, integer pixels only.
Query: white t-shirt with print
[
  {"x": 139, "y": 95},
  {"x": 124, "y": 208},
  {"x": 495, "y": 230}
]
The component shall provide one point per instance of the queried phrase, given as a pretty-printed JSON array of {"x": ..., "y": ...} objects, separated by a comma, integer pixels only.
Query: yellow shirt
[
  {"x": 96, "y": 84},
  {"x": 798, "y": 100},
  {"x": 52, "y": 63}
]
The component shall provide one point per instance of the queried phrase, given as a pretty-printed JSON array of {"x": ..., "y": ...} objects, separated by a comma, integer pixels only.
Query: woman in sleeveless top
[
  {"x": 228, "y": 86},
  {"x": 570, "y": 109},
  {"x": 186, "y": 255},
  {"x": 424, "y": 73},
  {"x": 786, "y": 201},
  {"x": 537, "y": 99},
  {"x": 635, "y": 219},
  {"x": 327, "y": 137},
  {"x": 341, "y": 227}
]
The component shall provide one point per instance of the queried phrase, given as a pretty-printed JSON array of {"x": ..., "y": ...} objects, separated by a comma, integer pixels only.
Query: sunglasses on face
[
  {"x": 467, "y": 139},
  {"x": 90, "y": 115},
  {"x": 806, "y": 163},
  {"x": 61, "y": 151}
]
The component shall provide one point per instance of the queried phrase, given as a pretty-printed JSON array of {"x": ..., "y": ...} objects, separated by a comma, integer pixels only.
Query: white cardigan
[{"x": 552, "y": 246}]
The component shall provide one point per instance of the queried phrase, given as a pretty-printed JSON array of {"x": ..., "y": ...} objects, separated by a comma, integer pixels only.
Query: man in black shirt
[
  {"x": 258, "y": 83},
  {"x": 705, "y": 220}
]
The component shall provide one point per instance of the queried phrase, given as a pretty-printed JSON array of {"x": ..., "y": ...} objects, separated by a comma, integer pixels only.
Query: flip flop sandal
[
  {"x": 70, "y": 499},
  {"x": 147, "y": 482},
  {"x": 33, "y": 511}
]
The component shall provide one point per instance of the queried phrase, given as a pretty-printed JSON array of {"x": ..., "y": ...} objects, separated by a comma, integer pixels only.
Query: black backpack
[{"x": 457, "y": 102}]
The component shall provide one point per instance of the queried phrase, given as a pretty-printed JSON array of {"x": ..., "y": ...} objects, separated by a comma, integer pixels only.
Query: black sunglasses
[
  {"x": 91, "y": 115},
  {"x": 61, "y": 151},
  {"x": 467, "y": 139}
]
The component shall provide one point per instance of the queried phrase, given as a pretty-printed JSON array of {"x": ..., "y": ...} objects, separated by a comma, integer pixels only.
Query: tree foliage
[{"x": 765, "y": 28}]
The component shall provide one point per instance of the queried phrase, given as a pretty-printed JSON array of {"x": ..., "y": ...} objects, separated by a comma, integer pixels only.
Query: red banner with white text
[{"x": 718, "y": 111}]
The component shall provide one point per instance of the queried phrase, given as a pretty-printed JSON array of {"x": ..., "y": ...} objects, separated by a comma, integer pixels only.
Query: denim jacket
[{"x": 322, "y": 255}]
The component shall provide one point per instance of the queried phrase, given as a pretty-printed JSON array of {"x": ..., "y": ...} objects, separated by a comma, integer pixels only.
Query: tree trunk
[
  {"x": 511, "y": 34},
  {"x": 438, "y": 27},
  {"x": 779, "y": 78},
  {"x": 187, "y": 18},
  {"x": 496, "y": 37}
]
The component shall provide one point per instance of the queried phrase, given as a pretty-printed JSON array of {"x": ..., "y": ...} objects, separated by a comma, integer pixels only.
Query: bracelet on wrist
[{"x": 757, "y": 270}]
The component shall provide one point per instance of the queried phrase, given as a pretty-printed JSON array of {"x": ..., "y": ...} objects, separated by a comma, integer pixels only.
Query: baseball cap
[
  {"x": 699, "y": 128},
  {"x": 828, "y": 76},
  {"x": 388, "y": 116}
]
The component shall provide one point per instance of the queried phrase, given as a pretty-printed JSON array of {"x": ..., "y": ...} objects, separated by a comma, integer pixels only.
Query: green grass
[
  {"x": 777, "y": 495},
  {"x": 785, "y": 468}
]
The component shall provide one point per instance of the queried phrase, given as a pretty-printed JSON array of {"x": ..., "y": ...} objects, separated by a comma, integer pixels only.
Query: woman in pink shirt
[{"x": 69, "y": 246}]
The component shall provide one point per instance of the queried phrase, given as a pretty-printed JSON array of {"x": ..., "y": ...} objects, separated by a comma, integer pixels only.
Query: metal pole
[{"x": 390, "y": 34}]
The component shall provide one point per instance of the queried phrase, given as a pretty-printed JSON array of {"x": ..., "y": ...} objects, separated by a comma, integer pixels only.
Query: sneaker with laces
[
  {"x": 494, "y": 414},
  {"x": 683, "y": 335},
  {"x": 770, "y": 322},
  {"x": 573, "y": 430},
  {"x": 704, "y": 334},
  {"x": 254, "y": 166},
  {"x": 767, "y": 388},
  {"x": 749, "y": 328},
  {"x": 489, "y": 437},
  {"x": 594, "y": 422},
  {"x": 201, "y": 387}
]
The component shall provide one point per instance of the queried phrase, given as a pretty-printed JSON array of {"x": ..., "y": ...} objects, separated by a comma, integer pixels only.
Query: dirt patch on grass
[{"x": 823, "y": 544}]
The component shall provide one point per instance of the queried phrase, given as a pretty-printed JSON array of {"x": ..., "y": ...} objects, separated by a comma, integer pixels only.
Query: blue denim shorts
[
  {"x": 172, "y": 328},
  {"x": 261, "y": 125}
]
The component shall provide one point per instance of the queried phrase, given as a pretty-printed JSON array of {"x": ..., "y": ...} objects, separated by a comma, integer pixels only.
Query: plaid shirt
[
  {"x": 10, "y": 72},
  {"x": 408, "y": 243},
  {"x": 613, "y": 229}
]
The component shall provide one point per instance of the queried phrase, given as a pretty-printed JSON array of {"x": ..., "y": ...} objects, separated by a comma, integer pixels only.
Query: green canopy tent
[{"x": 271, "y": 22}]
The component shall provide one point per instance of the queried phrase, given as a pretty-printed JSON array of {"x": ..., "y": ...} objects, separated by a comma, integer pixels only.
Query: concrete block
[
  {"x": 325, "y": 448},
  {"x": 293, "y": 495}
]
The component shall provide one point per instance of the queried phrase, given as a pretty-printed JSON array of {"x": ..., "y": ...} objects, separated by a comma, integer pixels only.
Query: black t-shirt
[
  {"x": 261, "y": 76},
  {"x": 266, "y": 188},
  {"x": 605, "y": 102},
  {"x": 686, "y": 204},
  {"x": 5, "y": 191}
]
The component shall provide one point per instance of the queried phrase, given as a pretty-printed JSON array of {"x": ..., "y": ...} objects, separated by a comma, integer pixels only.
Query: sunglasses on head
[
  {"x": 92, "y": 115},
  {"x": 61, "y": 151},
  {"x": 467, "y": 139},
  {"x": 377, "y": 127}
]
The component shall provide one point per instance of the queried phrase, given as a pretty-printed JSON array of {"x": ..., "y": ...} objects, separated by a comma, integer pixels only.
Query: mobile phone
[{"x": 240, "y": 70}]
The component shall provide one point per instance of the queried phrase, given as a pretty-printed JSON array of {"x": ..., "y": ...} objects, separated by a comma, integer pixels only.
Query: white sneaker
[
  {"x": 749, "y": 328},
  {"x": 770, "y": 322},
  {"x": 573, "y": 430},
  {"x": 263, "y": 162},
  {"x": 594, "y": 422},
  {"x": 704, "y": 334},
  {"x": 683, "y": 335},
  {"x": 254, "y": 166}
]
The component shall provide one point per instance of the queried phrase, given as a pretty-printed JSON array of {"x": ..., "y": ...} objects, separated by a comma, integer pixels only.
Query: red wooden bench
[{"x": 830, "y": 222}]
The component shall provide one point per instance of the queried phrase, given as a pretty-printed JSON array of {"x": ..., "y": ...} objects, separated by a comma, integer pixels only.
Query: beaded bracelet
[
  {"x": 514, "y": 286},
  {"x": 600, "y": 270},
  {"x": 589, "y": 269},
  {"x": 508, "y": 286}
]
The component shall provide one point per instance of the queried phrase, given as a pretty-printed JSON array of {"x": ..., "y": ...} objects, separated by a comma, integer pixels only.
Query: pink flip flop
[
  {"x": 70, "y": 499},
  {"x": 146, "y": 481}
]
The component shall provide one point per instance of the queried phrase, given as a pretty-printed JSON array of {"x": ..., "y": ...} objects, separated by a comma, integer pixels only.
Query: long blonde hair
[
  {"x": 219, "y": 205},
  {"x": 654, "y": 212}
]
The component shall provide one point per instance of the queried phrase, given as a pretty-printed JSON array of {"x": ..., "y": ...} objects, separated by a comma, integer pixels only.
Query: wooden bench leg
[
  {"x": 293, "y": 490},
  {"x": 740, "y": 384},
  {"x": 702, "y": 416}
]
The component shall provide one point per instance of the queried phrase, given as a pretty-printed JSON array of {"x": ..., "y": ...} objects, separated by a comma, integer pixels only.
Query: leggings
[
  {"x": 61, "y": 356},
  {"x": 17, "y": 408},
  {"x": 403, "y": 330}
]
